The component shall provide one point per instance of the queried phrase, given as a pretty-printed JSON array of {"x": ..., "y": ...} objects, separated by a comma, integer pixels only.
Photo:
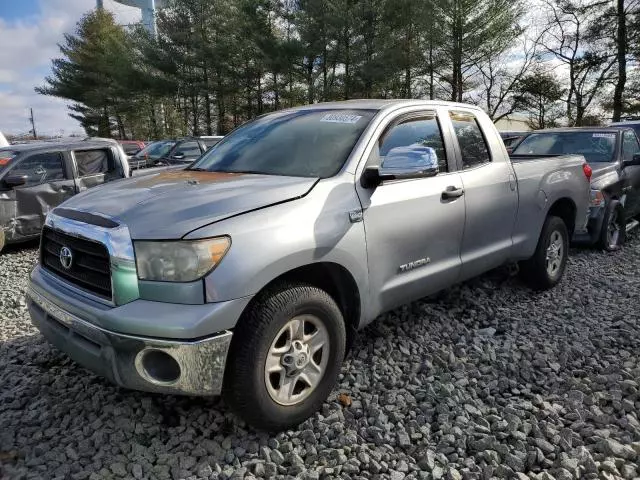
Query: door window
[
  {"x": 420, "y": 132},
  {"x": 473, "y": 146},
  {"x": 630, "y": 145},
  {"x": 92, "y": 162},
  {"x": 188, "y": 149},
  {"x": 41, "y": 168}
]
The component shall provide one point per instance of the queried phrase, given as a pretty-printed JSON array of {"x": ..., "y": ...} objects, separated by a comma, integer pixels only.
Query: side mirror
[
  {"x": 178, "y": 155},
  {"x": 414, "y": 161},
  {"x": 635, "y": 161},
  {"x": 15, "y": 180}
]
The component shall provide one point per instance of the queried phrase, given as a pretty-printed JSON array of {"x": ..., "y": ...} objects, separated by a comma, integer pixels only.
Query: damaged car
[{"x": 37, "y": 177}]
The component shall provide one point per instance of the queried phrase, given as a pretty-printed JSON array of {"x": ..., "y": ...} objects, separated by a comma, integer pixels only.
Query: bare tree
[
  {"x": 501, "y": 76},
  {"x": 589, "y": 61}
]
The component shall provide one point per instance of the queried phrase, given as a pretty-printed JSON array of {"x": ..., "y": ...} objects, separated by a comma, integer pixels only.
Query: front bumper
[
  {"x": 594, "y": 227},
  {"x": 121, "y": 357}
]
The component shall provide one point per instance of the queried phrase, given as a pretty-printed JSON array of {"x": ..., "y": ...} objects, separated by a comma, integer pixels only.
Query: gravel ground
[{"x": 489, "y": 380}]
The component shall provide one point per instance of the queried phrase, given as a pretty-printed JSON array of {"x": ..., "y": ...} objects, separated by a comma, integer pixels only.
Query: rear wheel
[
  {"x": 546, "y": 267},
  {"x": 285, "y": 357},
  {"x": 613, "y": 233}
]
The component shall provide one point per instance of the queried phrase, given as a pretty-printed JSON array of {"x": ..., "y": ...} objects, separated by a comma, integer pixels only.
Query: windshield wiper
[{"x": 198, "y": 169}]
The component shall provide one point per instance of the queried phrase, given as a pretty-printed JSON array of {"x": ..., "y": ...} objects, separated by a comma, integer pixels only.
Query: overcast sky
[{"x": 30, "y": 31}]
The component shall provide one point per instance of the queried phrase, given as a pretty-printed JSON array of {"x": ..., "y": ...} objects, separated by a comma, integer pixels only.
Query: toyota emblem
[{"x": 66, "y": 257}]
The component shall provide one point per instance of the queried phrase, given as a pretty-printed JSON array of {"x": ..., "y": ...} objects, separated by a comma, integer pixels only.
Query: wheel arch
[
  {"x": 334, "y": 279},
  {"x": 565, "y": 209}
]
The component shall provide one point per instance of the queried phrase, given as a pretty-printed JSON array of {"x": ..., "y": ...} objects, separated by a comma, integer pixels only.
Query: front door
[
  {"x": 25, "y": 207},
  {"x": 631, "y": 174},
  {"x": 413, "y": 234},
  {"x": 491, "y": 198}
]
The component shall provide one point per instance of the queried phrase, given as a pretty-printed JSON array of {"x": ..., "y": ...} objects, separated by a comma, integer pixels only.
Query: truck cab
[{"x": 37, "y": 177}]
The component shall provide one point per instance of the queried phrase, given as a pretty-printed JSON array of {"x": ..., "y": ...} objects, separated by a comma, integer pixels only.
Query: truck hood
[
  {"x": 170, "y": 204},
  {"x": 604, "y": 174}
]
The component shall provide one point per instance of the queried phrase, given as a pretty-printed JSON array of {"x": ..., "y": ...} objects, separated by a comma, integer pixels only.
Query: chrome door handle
[{"x": 452, "y": 192}]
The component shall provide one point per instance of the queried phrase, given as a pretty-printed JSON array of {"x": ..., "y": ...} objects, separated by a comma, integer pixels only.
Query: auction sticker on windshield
[
  {"x": 340, "y": 118},
  {"x": 604, "y": 135}
]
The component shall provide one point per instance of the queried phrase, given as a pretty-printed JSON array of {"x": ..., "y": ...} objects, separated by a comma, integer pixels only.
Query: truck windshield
[
  {"x": 595, "y": 146},
  {"x": 155, "y": 150},
  {"x": 301, "y": 143}
]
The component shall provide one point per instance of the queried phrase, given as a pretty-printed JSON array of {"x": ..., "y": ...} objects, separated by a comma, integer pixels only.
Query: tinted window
[
  {"x": 594, "y": 146},
  {"x": 188, "y": 149},
  {"x": 629, "y": 145},
  {"x": 301, "y": 143},
  {"x": 473, "y": 146},
  {"x": 92, "y": 162},
  {"x": 130, "y": 148},
  {"x": 156, "y": 149},
  {"x": 40, "y": 168},
  {"x": 210, "y": 142},
  {"x": 419, "y": 132}
]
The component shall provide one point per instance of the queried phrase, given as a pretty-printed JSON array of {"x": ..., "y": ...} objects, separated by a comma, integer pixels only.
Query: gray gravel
[{"x": 489, "y": 380}]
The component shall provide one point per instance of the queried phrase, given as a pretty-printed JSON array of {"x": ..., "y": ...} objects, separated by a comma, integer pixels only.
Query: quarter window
[
  {"x": 473, "y": 146},
  {"x": 630, "y": 145},
  {"x": 41, "y": 168},
  {"x": 92, "y": 162},
  {"x": 416, "y": 132},
  {"x": 188, "y": 149}
]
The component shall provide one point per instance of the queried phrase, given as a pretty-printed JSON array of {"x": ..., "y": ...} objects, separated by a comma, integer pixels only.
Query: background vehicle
[
  {"x": 633, "y": 123},
  {"x": 35, "y": 178},
  {"x": 249, "y": 271},
  {"x": 614, "y": 156},
  {"x": 172, "y": 152},
  {"x": 511, "y": 138},
  {"x": 131, "y": 147},
  {"x": 3, "y": 141}
]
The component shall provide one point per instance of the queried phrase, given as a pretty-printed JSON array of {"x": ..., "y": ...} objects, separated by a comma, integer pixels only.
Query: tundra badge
[{"x": 415, "y": 264}]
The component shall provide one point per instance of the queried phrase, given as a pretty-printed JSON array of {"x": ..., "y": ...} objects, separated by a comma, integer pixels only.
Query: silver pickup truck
[{"x": 249, "y": 272}]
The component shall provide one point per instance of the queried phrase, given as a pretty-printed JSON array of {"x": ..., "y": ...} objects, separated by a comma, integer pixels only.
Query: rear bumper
[{"x": 121, "y": 357}]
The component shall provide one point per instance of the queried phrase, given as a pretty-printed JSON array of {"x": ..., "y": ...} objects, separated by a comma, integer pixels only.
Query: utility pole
[{"x": 33, "y": 125}]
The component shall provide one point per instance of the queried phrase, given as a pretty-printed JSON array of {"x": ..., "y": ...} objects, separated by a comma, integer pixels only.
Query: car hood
[
  {"x": 604, "y": 174},
  {"x": 170, "y": 204}
]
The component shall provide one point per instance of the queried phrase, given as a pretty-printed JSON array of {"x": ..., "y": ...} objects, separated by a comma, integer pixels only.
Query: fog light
[{"x": 159, "y": 366}]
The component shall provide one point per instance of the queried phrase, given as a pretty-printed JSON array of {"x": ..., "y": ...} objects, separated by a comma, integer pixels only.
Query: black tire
[
  {"x": 613, "y": 232},
  {"x": 535, "y": 271},
  {"x": 245, "y": 388}
]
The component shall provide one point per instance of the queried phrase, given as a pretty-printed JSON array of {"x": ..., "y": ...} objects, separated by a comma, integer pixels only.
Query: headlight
[
  {"x": 179, "y": 261},
  {"x": 597, "y": 198}
]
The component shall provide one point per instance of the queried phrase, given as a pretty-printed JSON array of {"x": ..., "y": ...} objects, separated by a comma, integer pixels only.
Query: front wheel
[
  {"x": 546, "y": 267},
  {"x": 285, "y": 357},
  {"x": 613, "y": 231}
]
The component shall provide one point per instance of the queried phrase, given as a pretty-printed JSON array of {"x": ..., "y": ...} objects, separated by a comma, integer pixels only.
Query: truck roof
[
  {"x": 378, "y": 104},
  {"x": 48, "y": 146},
  {"x": 583, "y": 129}
]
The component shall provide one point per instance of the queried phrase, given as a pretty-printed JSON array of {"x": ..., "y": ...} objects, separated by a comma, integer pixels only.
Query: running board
[{"x": 631, "y": 225}]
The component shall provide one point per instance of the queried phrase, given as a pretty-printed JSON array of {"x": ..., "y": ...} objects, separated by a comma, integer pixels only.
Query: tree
[
  {"x": 539, "y": 94},
  {"x": 473, "y": 32},
  {"x": 95, "y": 73},
  {"x": 571, "y": 38}
]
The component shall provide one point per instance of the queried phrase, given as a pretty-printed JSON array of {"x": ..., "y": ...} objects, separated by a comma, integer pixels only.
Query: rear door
[
  {"x": 94, "y": 166},
  {"x": 24, "y": 208},
  {"x": 631, "y": 174},
  {"x": 413, "y": 232},
  {"x": 490, "y": 196}
]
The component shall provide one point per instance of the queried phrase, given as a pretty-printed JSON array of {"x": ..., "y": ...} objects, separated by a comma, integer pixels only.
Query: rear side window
[
  {"x": 473, "y": 146},
  {"x": 92, "y": 162},
  {"x": 188, "y": 149},
  {"x": 423, "y": 131},
  {"x": 630, "y": 145},
  {"x": 130, "y": 148},
  {"x": 40, "y": 168}
]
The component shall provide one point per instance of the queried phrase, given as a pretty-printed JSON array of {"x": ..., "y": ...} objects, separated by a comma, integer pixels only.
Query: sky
[{"x": 30, "y": 31}]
